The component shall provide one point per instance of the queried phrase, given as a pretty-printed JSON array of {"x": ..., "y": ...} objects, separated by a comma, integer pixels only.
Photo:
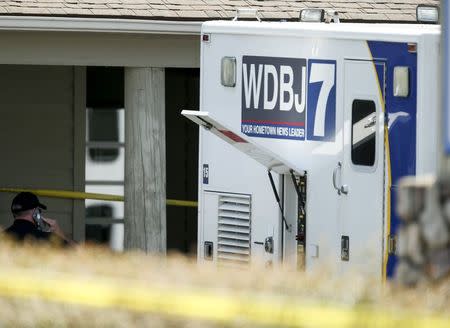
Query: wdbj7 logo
[{"x": 288, "y": 98}]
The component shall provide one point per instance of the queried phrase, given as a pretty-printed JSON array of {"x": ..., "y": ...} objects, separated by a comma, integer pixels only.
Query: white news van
[
  {"x": 330, "y": 117},
  {"x": 105, "y": 163}
]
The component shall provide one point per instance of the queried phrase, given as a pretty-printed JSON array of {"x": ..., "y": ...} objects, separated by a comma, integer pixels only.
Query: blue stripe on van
[{"x": 401, "y": 120}]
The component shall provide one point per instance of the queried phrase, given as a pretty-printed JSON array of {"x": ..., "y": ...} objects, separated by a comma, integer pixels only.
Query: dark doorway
[
  {"x": 105, "y": 102},
  {"x": 182, "y": 92}
]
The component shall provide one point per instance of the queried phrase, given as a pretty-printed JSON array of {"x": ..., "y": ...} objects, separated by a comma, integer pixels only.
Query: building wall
[
  {"x": 37, "y": 143},
  {"x": 53, "y": 152}
]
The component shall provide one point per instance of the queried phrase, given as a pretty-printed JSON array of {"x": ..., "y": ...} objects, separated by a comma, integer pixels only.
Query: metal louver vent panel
[{"x": 234, "y": 228}]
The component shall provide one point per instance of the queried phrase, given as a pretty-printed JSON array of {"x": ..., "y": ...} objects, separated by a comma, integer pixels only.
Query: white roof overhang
[{"x": 102, "y": 25}]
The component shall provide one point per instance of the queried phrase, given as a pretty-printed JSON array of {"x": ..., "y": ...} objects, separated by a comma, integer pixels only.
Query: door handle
[
  {"x": 335, "y": 185},
  {"x": 343, "y": 189},
  {"x": 371, "y": 122}
]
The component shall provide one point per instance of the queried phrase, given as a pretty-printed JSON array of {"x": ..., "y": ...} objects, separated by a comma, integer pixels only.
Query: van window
[
  {"x": 104, "y": 100},
  {"x": 97, "y": 232},
  {"x": 363, "y": 132},
  {"x": 103, "y": 126}
]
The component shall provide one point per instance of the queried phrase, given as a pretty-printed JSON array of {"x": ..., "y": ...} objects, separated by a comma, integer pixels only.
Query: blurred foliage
[{"x": 279, "y": 284}]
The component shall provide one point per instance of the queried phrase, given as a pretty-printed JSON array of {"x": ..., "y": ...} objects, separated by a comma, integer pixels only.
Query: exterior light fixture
[
  {"x": 246, "y": 13},
  {"x": 427, "y": 14},
  {"x": 228, "y": 71},
  {"x": 401, "y": 81},
  {"x": 312, "y": 15}
]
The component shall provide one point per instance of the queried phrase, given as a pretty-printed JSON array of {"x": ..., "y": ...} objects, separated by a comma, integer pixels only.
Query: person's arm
[{"x": 56, "y": 229}]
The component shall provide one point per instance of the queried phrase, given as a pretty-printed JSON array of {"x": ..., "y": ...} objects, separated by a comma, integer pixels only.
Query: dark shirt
[{"x": 24, "y": 230}]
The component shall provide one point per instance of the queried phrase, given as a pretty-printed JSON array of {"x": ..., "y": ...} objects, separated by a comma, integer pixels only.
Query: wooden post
[{"x": 145, "y": 160}]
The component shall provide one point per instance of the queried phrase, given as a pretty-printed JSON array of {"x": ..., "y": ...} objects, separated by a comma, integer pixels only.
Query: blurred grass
[{"x": 273, "y": 287}]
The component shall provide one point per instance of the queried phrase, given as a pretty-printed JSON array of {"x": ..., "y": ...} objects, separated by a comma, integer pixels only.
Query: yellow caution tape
[
  {"x": 229, "y": 309},
  {"x": 183, "y": 203},
  {"x": 66, "y": 194}
]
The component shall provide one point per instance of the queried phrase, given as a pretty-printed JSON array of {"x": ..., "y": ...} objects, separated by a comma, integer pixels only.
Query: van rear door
[{"x": 363, "y": 168}]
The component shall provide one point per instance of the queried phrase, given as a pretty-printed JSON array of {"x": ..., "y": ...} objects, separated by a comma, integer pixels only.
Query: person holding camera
[{"x": 29, "y": 223}]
